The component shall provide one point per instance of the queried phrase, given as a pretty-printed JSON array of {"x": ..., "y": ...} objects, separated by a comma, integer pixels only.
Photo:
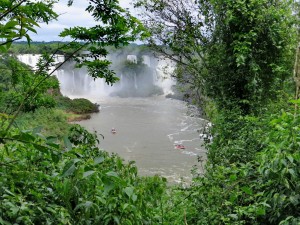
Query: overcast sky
[{"x": 69, "y": 17}]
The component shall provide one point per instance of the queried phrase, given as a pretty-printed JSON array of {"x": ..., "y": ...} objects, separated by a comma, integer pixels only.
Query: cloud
[{"x": 68, "y": 17}]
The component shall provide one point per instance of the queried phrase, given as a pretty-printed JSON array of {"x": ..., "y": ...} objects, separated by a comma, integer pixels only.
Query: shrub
[
  {"x": 42, "y": 184},
  {"x": 252, "y": 183},
  {"x": 79, "y": 106},
  {"x": 52, "y": 122}
]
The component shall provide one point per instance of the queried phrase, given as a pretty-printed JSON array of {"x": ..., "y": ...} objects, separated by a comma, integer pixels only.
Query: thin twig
[{"x": 185, "y": 221}]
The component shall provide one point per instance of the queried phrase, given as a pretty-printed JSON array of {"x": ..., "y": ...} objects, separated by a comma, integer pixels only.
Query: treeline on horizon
[{"x": 50, "y": 47}]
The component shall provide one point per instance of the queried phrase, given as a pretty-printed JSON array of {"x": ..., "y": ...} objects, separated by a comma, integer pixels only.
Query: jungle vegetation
[{"x": 237, "y": 59}]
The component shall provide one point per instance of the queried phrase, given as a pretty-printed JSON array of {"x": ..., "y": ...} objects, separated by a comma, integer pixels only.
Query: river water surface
[{"x": 148, "y": 130}]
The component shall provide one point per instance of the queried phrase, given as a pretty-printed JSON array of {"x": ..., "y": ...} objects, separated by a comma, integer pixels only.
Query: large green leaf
[
  {"x": 129, "y": 191},
  {"x": 98, "y": 160},
  {"x": 112, "y": 174},
  {"x": 88, "y": 173},
  {"x": 69, "y": 168}
]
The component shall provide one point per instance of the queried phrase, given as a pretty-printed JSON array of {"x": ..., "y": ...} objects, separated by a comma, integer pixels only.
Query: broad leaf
[
  {"x": 98, "y": 160},
  {"x": 128, "y": 191},
  {"x": 88, "y": 173}
]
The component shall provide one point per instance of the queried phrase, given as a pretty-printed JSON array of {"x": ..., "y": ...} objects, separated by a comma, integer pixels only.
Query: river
[{"x": 147, "y": 131}]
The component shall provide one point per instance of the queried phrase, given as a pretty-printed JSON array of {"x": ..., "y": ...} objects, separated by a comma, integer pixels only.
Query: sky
[{"x": 69, "y": 17}]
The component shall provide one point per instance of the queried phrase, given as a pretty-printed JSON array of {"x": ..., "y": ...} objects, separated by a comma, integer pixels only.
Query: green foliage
[
  {"x": 41, "y": 184},
  {"x": 235, "y": 53},
  {"x": 252, "y": 52},
  {"x": 52, "y": 122},
  {"x": 17, "y": 80},
  {"x": 236, "y": 138},
  {"x": 79, "y": 135},
  {"x": 77, "y": 105},
  {"x": 279, "y": 169},
  {"x": 36, "y": 48},
  {"x": 253, "y": 171},
  {"x": 17, "y": 18}
]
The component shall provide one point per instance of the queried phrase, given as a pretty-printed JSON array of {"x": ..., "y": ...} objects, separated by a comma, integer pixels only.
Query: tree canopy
[
  {"x": 235, "y": 52},
  {"x": 20, "y": 17}
]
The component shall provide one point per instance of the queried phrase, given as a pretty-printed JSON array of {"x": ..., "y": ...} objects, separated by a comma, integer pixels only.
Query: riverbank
[
  {"x": 72, "y": 117},
  {"x": 51, "y": 121},
  {"x": 76, "y": 109}
]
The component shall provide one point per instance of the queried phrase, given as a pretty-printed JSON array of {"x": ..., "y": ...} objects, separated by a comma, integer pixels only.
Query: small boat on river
[{"x": 179, "y": 146}]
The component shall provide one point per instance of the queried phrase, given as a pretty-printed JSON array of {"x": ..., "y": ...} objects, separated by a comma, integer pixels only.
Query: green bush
[
  {"x": 237, "y": 138},
  {"x": 42, "y": 182},
  {"x": 52, "y": 122},
  {"x": 79, "y": 105},
  {"x": 18, "y": 86},
  {"x": 253, "y": 173}
]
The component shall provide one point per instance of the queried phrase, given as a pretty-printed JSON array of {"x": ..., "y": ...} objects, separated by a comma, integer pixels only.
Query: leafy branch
[{"x": 11, "y": 9}]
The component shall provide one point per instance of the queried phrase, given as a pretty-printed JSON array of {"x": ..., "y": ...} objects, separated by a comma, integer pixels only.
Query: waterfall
[
  {"x": 146, "y": 60},
  {"x": 135, "y": 82},
  {"x": 29, "y": 59},
  {"x": 73, "y": 81},
  {"x": 76, "y": 82},
  {"x": 132, "y": 58},
  {"x": 121, "y": 80},
  {"x": 164, "y": 70},
  {"x": 32, "y": 59}
]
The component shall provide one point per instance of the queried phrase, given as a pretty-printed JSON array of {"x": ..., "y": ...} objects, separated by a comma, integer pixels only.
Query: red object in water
[{"x": 179, "y": 146}]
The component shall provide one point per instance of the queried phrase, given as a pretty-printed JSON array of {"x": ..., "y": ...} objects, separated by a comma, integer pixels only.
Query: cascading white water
[
  {"x": 130, "y": 81},
  {"x": 146, "y": 60},
  {"x": 32, "y": 60},
  {"x": 121, "y": 80},
  {"x": 76, "y": 82},
  {"x": 163, "y": 78},
  {"x": 135, "y": 82},
  {"x": 29, "y": 59},
  {"x": 132, "y": 58}
]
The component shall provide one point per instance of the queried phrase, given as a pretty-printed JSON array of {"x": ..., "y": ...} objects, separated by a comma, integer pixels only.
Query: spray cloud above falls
[{"x": 141, "y": 74}]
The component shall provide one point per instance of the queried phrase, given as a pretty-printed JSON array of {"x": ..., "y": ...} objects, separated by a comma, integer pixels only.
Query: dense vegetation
[
  {"x": 234, "y": 57},
  {"x": 77, "y": 105},
  {"x": 239, "y": 59},
  {"x": 80, "y": 184}
]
